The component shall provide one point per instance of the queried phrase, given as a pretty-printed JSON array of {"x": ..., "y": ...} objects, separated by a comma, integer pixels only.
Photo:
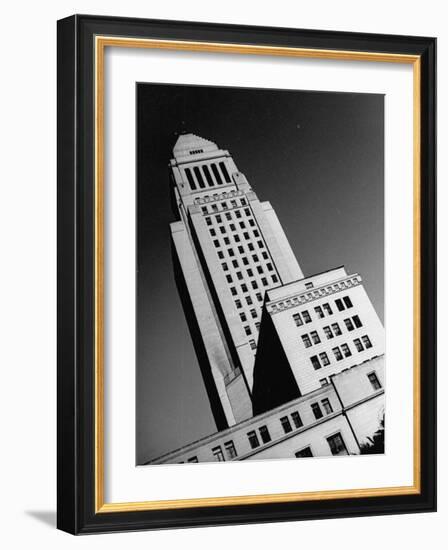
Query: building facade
[
  {"x": 229, "y": 248},
  {"x": 269, "y": 340},
  {"x": 335, "y": 419}
]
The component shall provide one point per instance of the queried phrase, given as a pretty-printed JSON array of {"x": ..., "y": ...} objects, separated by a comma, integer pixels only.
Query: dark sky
[{"x": 318, "y": 157}]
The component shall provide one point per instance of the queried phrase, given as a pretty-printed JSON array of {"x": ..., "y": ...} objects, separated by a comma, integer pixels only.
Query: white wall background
[{"x": 28, "y": 270}]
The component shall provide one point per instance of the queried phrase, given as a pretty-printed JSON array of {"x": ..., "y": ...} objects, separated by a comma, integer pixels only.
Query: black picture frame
[{"x": 76, "y": 510}]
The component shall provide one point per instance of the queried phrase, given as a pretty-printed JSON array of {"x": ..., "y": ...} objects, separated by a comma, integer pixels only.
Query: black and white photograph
[{"x": 260, "y": 274}]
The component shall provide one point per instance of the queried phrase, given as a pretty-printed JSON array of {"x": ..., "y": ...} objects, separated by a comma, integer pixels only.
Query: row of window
[
  {"x": 331, "y": 331},
  {"x": 322, "y": 311},
  {"x": 207, "y": 175},
  {"x": 232, "y": 228},
  {"x": 225, "y": 205},
  {"x": 339, "y": 352},
  {"x": 240, "y": 248},
  {"x": 218, "y": 218},
  {"x": 335, "y": 442},
  {"x": 288, "y": 423}
]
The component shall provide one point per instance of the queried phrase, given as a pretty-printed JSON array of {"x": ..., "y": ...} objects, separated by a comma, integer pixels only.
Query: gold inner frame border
[{"x": 100, "y": 44}]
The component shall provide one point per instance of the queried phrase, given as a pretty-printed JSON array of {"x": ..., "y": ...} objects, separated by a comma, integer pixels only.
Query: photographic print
[{"x": 260, "y": 274}]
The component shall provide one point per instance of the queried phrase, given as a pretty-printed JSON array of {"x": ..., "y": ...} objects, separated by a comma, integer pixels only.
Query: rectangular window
[
  {"x": 225, "y": 172},
  {"x": 253, "y": 313},
  {"x": 296, "y": 419},
  {"x": 242, "y": 225},
  {"x": 269, "y": 266},
  {"x": 218, "y": 218},
  {"x": 274, "y": 279},
  {"x": 349, "y": 324},
  {"x": 254, "y": 257},
  {"x": 190, "y": 179},
  {"x": 337, "y": 354},
  {"x": 244, "y": 287},
  {"x": 246, "y": 210},
  {"x": 257, "y": 326},
  {"x": 239, "y": 275},
  {"x": 328, "y": 333},
  {"x": 309, "y": 285},
  {"x": 241, "y": 249},
  {"x": 306, "y": 316},
  {"x": 254, "y": 285},
  {"x": 264, "y": 434},
  {"x": 251, "y": 247},
  {"x": 306, "y": 341},
  {"x": 252, "y": 344},
  {"x": 260, "y": 244},
  {"x": 373, "y": 379},
  {"x": 226, "y": 241},
  {"x": 264, "y": 281},
  {"x": 238, "y": 304},
  {"x": 323, "y": 382},
  {"x": 327, "y": 309},
  {"x": 224, "y": 205},
  {"x": 259, "y": 296},
  {"x": 315, "y": 337},
  {"x": 265, "y": 255},
  {"x": 337, "y": 331},
  {"x": 252, "y": 223},
  {"x": 218, "y": 454},
  {"x": 233, "y": 291},
  {"x": 193, "y": 459},
  {"x": 234, "y": 263},
  {"x": 324, "y": 358},
  {"x": 339, "y": 304},
  {"x": 315, "y": 362},
  {"x": 220, "y": 254},
  {"x": 357, "y": 321},
  {"x": 304, "y": 453},
  {"x": 216, "y": 174},
  {"x": 253, "y": 440},
  {"x": 212, "y": 232},
  {"x": 358, "y": 344},
  {"x": 208, "y": 221},
  {"x": 245, "y": 261},
  {"x": 246, "y": 235},
  {"x": 222, "y": 229},
  {"x": 216, "y": 243},
  {"x": 286, "y": 424},
  {"x": 238, "y": 214},
  {"x": 247, "y": 330},
  {"x": 229, "y": 446},
  {"x": 229, "y": 217},
  {"x": 259, "y": 269},
  {"x": 249, "y": 300},
  {"x": 250, "y": 273},
  {"x": 366, "y": 341},
  {"x": 319, "y": 312},
  {"x": 346, "y": 350},
  {"x": 215, "y": 207},
  {"x": 230, "y": 252},
  {"x": 243, "y": 317},
  {"x": 297, "y": 319},
  {"x": 327, "y": 406},
  {"x": 243, "y": 202},
  {"x": 316, "y": 411},
  {"x": 233, "y": 203},
  {"x": 337, "y": 445},
  {"x": 347, "y": 302},
  {"x": 229, "y": 278}
]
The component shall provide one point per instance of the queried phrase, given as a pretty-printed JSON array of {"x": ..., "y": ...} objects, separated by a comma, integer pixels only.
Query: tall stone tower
[{"x": 228, "y": 250}]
